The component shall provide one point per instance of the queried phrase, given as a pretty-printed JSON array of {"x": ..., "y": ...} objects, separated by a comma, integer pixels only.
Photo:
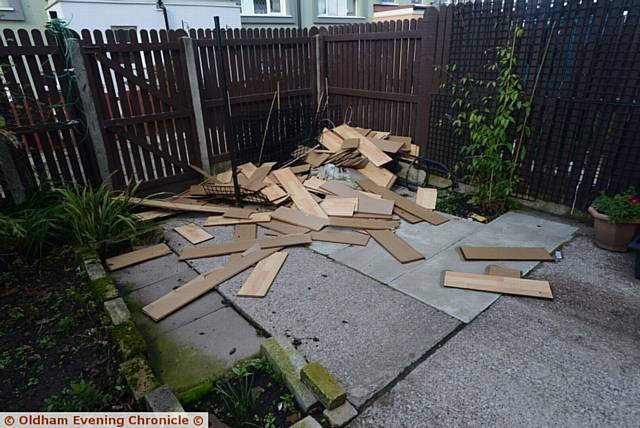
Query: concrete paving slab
[
  {"x": 374, "y": 261},
  {"x": 197, "y": 309},
  {"x": 511, "y": 229},
  {"x": 365, "y": 333},
  {"x": 429, "y": 240},
  {"x": 137, "y": 276},
  {"x": 571, "y": 361},
  {"x": 203, "y": 349}
]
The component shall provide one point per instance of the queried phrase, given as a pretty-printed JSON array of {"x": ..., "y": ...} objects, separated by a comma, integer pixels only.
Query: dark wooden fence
[{"x": 584, "y": 56}]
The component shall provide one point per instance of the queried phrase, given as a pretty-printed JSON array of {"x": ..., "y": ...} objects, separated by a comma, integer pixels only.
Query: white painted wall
[{"x": 143, "y": 14}]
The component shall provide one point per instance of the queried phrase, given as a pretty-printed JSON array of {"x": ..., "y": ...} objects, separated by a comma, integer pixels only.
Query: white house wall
[{"x": 143, "y": 14}]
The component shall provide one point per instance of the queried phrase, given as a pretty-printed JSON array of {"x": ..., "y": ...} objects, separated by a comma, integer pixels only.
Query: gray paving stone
[
  {"x": 511, "y": 229},
  {"x": 197, "y": 309},
  {"x": 203, "y": 349},
  {"x": 341, "y": 415},
  {"x": 363, "y": 332},
  {"x": 117, "y": 310},
  {"x": 140, "y": 275},
  {"x": 307, "y": 422},
  {"x": 569, "y": 362},
  {"x": 162, "y": 399}
]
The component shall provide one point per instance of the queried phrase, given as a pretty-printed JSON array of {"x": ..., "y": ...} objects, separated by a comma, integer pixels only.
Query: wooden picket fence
[{"x": 583, "y": 58}]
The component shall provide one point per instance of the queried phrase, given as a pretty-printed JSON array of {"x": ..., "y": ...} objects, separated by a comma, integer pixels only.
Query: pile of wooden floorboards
[{"x": 305, "y": 206}]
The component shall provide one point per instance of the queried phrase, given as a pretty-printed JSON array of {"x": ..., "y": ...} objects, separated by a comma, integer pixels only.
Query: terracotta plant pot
[{"x": 613, "y": 237}]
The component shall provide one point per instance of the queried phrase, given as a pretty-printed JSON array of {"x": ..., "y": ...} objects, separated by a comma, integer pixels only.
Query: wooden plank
[
  {"x": 245, "y": 232},
  {"x": 331, "y": 141},
  {"x": 195, "y": 288},
  {"x": 284, "y": 228},
  {"x": 222, "y": 221},
  {"x": 316, "y": 159},
  {"x": 300, "y": 169},
  {"x": 380, "y": 176},
  {"x": 498, "y": 284},
  {"x": 298, "y": 218},
  {"x": 381, "y": 135},
  {"x": 366, "y": 147},
  {"x": 152, "y": 203},
  {"x": 257, "y": 180},
  {"x": 193, "y": 233},
  {"x": 361, "y": 131},
  {"x": 273, "y": 192},
  {"x": 301, "y": 198},
  {"x": 200, "y": 171},
  {"x": 138, "y": 256},
  {"x": 262, "y": 276},
  {"x": 397, "y": 247},
  {"x": 507, "y": 253},
  {"x": 365, "y": 204},
  {"x": 387, "y": 145},
  {"x": 152, "y": 215},
  {"x": 427, "y": 197},
  {"x": 363, "y": 223},
  {"x": 408, "y": 217},
  {"x": 496, "y": 270},
  {"x": 341, "y": 237},
  {"x": 240, "y": 246},
  {"x": 350, "y": 143},
  {"x": 314, "y": 185},
  {"x": 241, "y": 213},
  {"x": 407, "y": 205},
  {"x": 340, "y": 207},
  {"x": 224, "y": 177},
  {"x": 406, "y": 141}
]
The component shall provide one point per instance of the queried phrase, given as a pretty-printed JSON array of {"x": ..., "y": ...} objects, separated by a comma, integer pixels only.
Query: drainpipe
[
  {"x": 299, "y": 11},
  {"x": 160, "y": 5}
]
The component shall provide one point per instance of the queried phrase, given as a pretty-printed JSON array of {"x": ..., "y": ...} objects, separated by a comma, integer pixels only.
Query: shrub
[
  {"x": 79, "y": 397},
  {"x": 621, "y": 208},
  {"x": 491, "y": 114}
]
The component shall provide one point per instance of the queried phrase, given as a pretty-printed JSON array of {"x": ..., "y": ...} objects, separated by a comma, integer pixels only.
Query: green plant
[
  {"x": 269, "y": 421},
  {"x": 288, "y": 403},
  {"x": 263, "y": 364},
  {"x": 91, "y": 216},
  {"x": 47, "y": 342},
  {"x": 491, "y": 113},
  {"x": 240, "y": 372},
  {"x": 65, "y": 325},
  {"x": 621, "y": 208},
  {"x": 239, "y": 401},
  {"x": 5, "y": 359},
  {"x": 79, "y": 397}
]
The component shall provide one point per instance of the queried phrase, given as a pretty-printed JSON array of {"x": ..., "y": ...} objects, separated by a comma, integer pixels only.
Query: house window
[
  {"x": 336, "y": 7},
  {"x": 11, "y": 10},
  {"x": 263, "y": 7}
]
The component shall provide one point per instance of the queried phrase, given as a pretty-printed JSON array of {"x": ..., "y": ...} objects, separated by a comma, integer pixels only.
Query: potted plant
[{"x": 615, "y": 219}]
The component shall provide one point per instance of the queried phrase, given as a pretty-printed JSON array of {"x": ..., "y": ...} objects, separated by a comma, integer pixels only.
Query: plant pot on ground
[{"x": 616, "y": 220}]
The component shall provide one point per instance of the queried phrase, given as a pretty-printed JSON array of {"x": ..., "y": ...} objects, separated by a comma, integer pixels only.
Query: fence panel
[
  {"x": 375, "y": 71},
  {"x": 41, "y": 106},
  {"x": 582, "y": 61},
  {"x": 257, "y": 63}
]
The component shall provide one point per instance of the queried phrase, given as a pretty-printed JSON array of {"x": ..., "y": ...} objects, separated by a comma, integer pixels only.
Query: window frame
[
  {"x": 247, "y": 8},
  {"x": 12, "y": 13},
  {"x": 340, "y": 6}
]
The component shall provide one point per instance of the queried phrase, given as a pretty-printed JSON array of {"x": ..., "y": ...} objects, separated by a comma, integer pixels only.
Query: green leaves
[
  {"x": 490, "y": 158},
  {"x": 621, "y": 208}
]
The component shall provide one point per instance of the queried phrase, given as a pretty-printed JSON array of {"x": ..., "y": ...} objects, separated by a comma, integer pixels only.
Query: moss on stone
[
  {"x": 130, "y": 342},
  {"x": 85, "y": 255},
  {"x": 328, "y": 390},
  {"x": 196, "y": 393},
  {"x": 139, "y": 376},
  {"x": 182, "y": 367},
  {"x": 104, "y": 288}
]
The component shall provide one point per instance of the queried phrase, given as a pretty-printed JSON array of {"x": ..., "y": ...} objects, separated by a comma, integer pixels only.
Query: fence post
[
  {"x": 319, "y": 40},
  {"x": 89, "y": 108},
  {"x": 425, "y": 87},
  {"x": 186, "y": 43},
  {"x": 14, "y": 185}
]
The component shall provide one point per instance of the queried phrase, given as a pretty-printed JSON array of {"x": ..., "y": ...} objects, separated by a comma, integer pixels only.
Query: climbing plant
[{"x": 492, "y": 117}]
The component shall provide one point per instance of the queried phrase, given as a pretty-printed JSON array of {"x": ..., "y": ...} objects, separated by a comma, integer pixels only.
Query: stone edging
[{"x": 144, "y": 385}]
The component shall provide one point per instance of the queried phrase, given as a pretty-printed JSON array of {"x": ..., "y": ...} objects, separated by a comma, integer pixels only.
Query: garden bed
[
  {"x": 254, "y": 396},
  {"x": 55, "y": 351}
]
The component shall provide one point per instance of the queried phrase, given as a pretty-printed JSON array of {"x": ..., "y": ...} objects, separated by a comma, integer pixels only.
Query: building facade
[{"x": 27, "y": 14}]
